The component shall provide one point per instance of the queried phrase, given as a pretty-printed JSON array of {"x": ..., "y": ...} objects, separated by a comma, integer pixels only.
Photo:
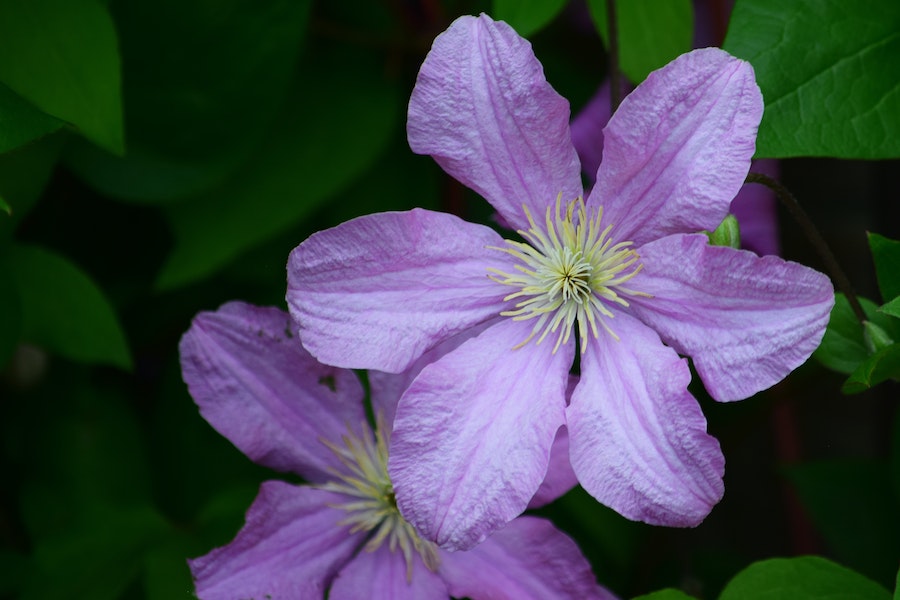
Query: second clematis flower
[{"x": 612, "y": 288}]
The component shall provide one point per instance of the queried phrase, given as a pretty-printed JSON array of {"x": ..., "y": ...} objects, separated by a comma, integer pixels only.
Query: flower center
[
  {"x": 372, "y": 506},
  {"x": 568, "y": 273}
]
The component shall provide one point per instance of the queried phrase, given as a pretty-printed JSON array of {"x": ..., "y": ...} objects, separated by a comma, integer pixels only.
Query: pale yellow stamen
[
  {"x": 371, "y": 506},
  {"x": 569, "y": 272}
]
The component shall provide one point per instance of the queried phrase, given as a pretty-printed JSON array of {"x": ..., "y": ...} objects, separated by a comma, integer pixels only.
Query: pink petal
[
  {"x": 529, "y": 559},
  {"x": 637, "y": 438},
  {"x": 560, "y": 477},
  {"x": 378, "y": 291},
  {"x": 587, "y": 131},
  {"x": 290, "y": 547},
  {"x": 745, "y": 321},
  {"x": 678, "y": 148},
  {"x": 483, "y": 109},
  {"x": 472, "y": 435},
  {"x": 381, "y": 575},
  {"x": 258, "y": 387},
  {"x": 757, "y": 213}
]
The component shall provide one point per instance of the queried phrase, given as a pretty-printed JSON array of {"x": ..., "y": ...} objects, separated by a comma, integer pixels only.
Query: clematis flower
[
  {"x": 621, "y": 276},
  {"x": 342, "y": 534}
]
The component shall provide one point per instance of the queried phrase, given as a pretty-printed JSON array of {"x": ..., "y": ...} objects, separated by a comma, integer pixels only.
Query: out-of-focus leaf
[
  {"x": 5, "y": 207},
  {"x": 881, "y": 366},
  {"x": 24, "y": 173},
  {"x": 527, "y": 16},
  {"x": 801, "y": 578},
  {"x": 20, "y": 122},
  {"x": 853, "y": 506},
  {"x": 828, "y": 71},
  {"x": 843, "y": 347},
  {"x": 13, "y": 570},
  {"x": 651, "y": 33},
  {"x": 666, "y": 594},
  {"x": 10, "y": 314},
  {"x": 886, "y": 256},
  {"x": 62, "y": 56},
  {"x": 892, "y": 308},
  {"x": 64, "y": 311},
  {"x": 97, "y": 562},
  {"x": 320, "y": 143},
  {"x": 166, "y": 573},
  {"x": 203, "y": 82},
  {"x": 895, "y": 455}
]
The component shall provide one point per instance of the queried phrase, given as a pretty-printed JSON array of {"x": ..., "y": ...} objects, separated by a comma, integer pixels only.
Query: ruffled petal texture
[
  {"x": 637, "y": 438},
  {"x": 258, "y": 387},
  {"x": 484, "y": 110},
  {"x": 472, "y": 435},
  {"x": 529, "y": 559},
  {"x": 746, "y": 321},
  {"x": 677, "y": 150},
  {"x": 382, "y": 575},
  {"x": 290, "y": 547},
  {"x": 378, "y": 291}
]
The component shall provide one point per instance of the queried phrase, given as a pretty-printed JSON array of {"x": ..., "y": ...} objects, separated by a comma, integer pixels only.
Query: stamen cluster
[
  {"x": 373, "y": 507},
  {"x": 569, "y": 271}
]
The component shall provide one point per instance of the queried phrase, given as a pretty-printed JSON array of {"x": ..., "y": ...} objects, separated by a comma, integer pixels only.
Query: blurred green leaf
[
  {"x": 64, "y": 310},
  {"x": 10, "y": 314},
  {"x": 5, "y": 207},
  {"x": 97, "y": 562},
  {"x": 20, "y": 122},
  {"x": 24, "y": 173},
  {"x": 843, "y": 347},
  {"x": 320, "y": 144},
  {"x": 527, "y": 16},
  {"x": 13, "y": 570},
  {"x": 667, "y": 594},
  {"x": 828, "y": 71},
  {"x": 203, "y": 81},
  {"x": 651, "y": 33},
  {"x": 62, "y": 56},
  {"x": 802, "y": 578},
  {"x": 886, "y": 256},
  {"x": 853, "y": 506},
  {"x": 891, "y": 308},
  {"x": 166, "y": 573},
  {"x": 879, "y": 367}
]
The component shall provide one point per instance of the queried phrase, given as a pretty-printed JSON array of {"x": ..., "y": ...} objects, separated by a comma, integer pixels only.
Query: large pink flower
[{"x": 622, "y": 275}]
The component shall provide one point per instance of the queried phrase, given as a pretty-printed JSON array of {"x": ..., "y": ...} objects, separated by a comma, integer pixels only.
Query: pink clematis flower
[
  {"x": 622, "y": 276},
  {"x": 343, "y": 534}
]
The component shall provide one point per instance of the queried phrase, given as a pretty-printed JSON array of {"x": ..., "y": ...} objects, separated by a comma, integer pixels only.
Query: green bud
[
  {"x": 728, "y": 233},
  {"x": 875, "y": 337}
]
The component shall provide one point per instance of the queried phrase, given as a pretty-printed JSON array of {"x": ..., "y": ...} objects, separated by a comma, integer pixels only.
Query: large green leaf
[
  {"x": 802, "y": 578},
  {"x": 527, "y": 16},
  {"x": 843, "y": 347},
  {"x": 886, "y": 256},
  {"x": 202, "y": 82},
  {"x": 63, "y": 310},
  {"x": 828, "y": 70},
  {"x": 320, "y": 143},
  {"x": 853, "y": 506},
  {"x": 666, "y": 594},
  {"x": 881, "y": 366},
  {"x": 651, "y": 32},
  {"x": 20, "y": 122},
  {"x": 62, "y": 56}
]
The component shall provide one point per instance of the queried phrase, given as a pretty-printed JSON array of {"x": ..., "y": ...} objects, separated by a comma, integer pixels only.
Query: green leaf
[
  {"x": 62, "y": 56},
  {"x": 886, "y": 256},
  {"x": 63, "y": 310},
  {"x": 852, "y": 504},
  {"x": 895, "y": 455},
  {"x": 727, "y": 234},
  {"x": 651, "y": 33},
  {"x": 5, "y": 207},
  {"x": 97, "y": 562},
  {"x": 666, "y": 594},
  {"x": 897, "y": 587},
  {"x": 892, "y": 308},
  {"x": 527, "y": 16},
  {"x": 24, "y": 173},
  {"x": 10, "y": 314},
  {"x": 828, "y": 74},
  {"x": 320, "y": 143},
  {"x": 881, "y": 366},
  {"x": 20, "y": 122},
  {"x": 802, "y": 578},
  {"x": 202, "y": 82},
  {"x": 843, "y": 347}
]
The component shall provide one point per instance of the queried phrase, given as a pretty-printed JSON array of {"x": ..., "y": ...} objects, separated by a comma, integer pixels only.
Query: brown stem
[
  {"x": 615, "y": 74},
  {"x": 815, "y": 238}
]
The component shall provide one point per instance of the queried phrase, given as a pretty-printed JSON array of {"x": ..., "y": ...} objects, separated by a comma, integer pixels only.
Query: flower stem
[
  {"x": 812, "y": 234},
  {"x": 615, "y": 74}
]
